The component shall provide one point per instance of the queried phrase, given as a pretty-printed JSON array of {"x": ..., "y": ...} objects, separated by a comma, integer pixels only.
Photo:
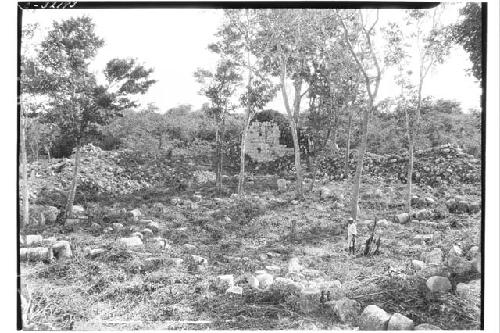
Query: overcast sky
[{"x": 174, "y": 42}]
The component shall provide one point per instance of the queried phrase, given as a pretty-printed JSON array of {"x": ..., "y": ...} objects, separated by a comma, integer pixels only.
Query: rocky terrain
[{"x": 185, "y": 258}]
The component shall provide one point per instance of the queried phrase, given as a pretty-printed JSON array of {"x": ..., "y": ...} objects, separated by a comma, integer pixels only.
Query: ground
[{"x": 123, "y": 289}]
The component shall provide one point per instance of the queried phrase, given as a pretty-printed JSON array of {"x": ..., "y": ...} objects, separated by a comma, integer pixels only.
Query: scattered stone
[
  {"x": 294, "y": 266},
  {"x": 473, "y": 252},
  {"x": 224, "y": 282},
  {"x": 62, "y": 249},
  {"x": 147, "y": 232},
  {"x": 107, "y": 230},
  {"x": 273, "y": 269},
  {"x": 426, "y": 327},
  {"x": 177, "y": 262},
  {"x": 438, "y": 284},
  {"x": 137, "y": 234},
  {"x": 197, "y": 197},
  {"x": 374, "y": 318},
  {"x": 135, "y": 213},
  {"x": 286, "y": 286},
  {"x": 130, "y": 242},
  {"x": 312, "y": 273},
  {"x": 308, "y": 326},
  {"x": 423, "y": 214},
  {"x": 383, "y": 223},
  {"x": 155, "y": 226},
  {"x": 33, "y": 239},
  {"x": 95, "y": 226},
  {"x": 347, "y": 310},
  {"x": 145, "y": 222},
  {"x": 422, "y": 239},
  {"x": 265, "y": 280},
  {"x": 175, "y": 201},
  {"x": 93, "y": 253},
  {"x": 189, "y": 247},
  {"x": 117, "y": 226},
  {"x": 253, "y": 282},
  {"x": 455, "y": 251},
  {"x": 476, "y": 263},
  {"x": 469, "y": 290},
  {"x": 35, "y": 254},
  {"x": 78, "y": 210},
  {"x": 235, "y": 290},
  {"x": 325, "y": 192},
  {"x": 398, "y": 322},
  {"x": 435, "y": 257},
  {"x": 199, "y": 260},
  {"x": 418, "y": 265},
  {"x": 403, "y": 218},
  {"x": 71, "y": 221},
  {"x": 430, "y": 201},
  {"x": 160, "y": 242},
  {"x": 282, "y": 185},
  {"x": 309, "y": 300}
]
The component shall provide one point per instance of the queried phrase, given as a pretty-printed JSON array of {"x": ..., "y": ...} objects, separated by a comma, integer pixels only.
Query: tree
[
  {"x": 468, "y": 33},
  {"x": 26, "y": 105},
  {"x": 432, "y": 42},
  {"x": 78, "y": 104},
  {"x": 361, "y": 35},
  {"x": 243, "y": 25},
  {"x": 218, "y": 87},
  {"x": 333, "y": 88},
  {"x": 287, "y": 43}
]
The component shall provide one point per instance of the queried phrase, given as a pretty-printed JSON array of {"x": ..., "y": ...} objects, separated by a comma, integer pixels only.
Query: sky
[{"x": 174, "y": 43}]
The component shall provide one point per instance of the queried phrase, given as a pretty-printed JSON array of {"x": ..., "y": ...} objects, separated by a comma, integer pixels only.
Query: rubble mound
[{"x": 108, "y": 173}]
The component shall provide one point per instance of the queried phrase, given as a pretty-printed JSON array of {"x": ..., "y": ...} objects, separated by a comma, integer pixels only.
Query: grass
[{"x": 142, "y": 289}]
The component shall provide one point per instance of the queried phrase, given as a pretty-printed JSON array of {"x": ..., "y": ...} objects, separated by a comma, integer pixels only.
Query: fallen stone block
[
  {"x": 265, "y": 280},
  {"x": 373, "y": 318},
  {"x": 62, "y": 249},
  {"x": 398, "y": 322},
  {"x": 35, "y": 254},
  {"x": 130, "y": 242},
  {"x": 438, "y": 284},
  {"x": 347, "y": 310},
  {"x": 309, "y": 300},
  {"x": 427, "y": 327}
]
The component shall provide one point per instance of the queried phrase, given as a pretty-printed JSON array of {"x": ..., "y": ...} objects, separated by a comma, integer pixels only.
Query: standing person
[{"x": 351, "y": 235}]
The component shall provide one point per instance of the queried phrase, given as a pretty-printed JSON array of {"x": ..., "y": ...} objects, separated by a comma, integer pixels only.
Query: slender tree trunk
[
  {"x": 298, "y": 167},
  {"x": 241, "y": 180},
  {"x": 221, "y": 155},
  {"x": 74, "y": 183},
  {"x": 410, "y": 173},
  {"x": 47, "y": 151},
  {"x": 24, "y": 170},
  {"x": 217, "y": 158},
  {"x": 359, "y": 169},
  {"x": 293, "y": 119},
  {"x": 348, "y": 146}
]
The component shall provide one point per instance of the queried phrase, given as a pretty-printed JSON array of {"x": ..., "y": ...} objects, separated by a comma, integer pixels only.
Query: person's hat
[{"x": 350, "y": 219}]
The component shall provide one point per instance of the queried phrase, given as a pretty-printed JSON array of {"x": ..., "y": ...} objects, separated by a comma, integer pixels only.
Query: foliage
[
  {"x": 78, "y": 104},
  {"x": 468, "y": 33}
]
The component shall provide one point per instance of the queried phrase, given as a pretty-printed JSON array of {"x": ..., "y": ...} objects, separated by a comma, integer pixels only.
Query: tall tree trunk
[
  {"x": 74, "y": 183},
  {"x": 221, "y": 155},
  {"x": 217, "y": 158},
  {"x": 359, "y": 168},
  {"x": 24, "y": 169},
  {"x": 348, "y": 146},
  {"x": 410, "y": 173},
  {"x": 241, "y": 180},
  {"x": 293, "y": 120}
]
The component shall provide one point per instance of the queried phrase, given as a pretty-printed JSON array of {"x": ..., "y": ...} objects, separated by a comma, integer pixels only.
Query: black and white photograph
[{"x": 254, "y": 166}]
